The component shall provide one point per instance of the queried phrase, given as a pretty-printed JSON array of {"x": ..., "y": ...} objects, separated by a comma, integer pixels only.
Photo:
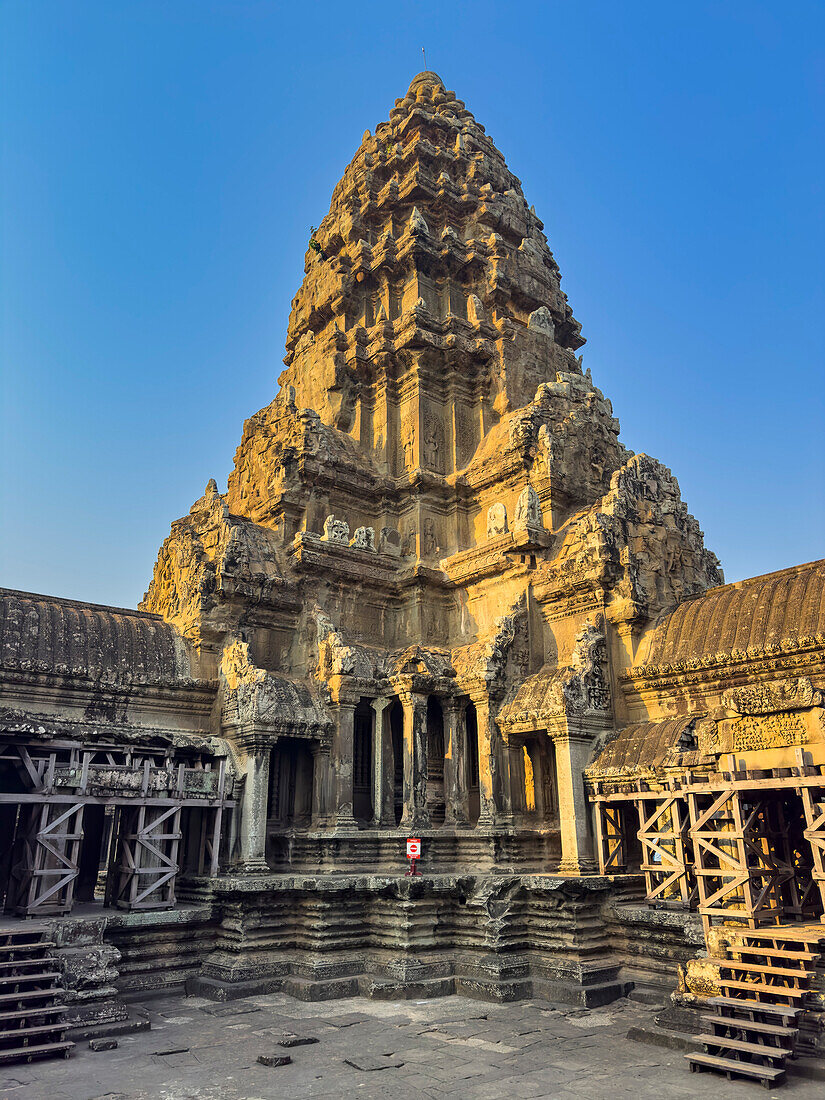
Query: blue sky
[{"x": 163, "y": 161}]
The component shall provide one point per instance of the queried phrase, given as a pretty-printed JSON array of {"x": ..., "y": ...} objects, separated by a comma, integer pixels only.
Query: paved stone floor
[{"x": 410, "y": 1049}]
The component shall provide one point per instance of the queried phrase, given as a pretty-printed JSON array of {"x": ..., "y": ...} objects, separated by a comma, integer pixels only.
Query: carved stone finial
[
  {"x": 541, "y": 320},
  {"x": 335, "y": 530},
  {"x": 496, "y": 520},
  {"x": 528, "y": 509},
  {"x": 425, "y": 77},
  {"x": 417, "y": 222},
  {"x": 363, "y": 539}
]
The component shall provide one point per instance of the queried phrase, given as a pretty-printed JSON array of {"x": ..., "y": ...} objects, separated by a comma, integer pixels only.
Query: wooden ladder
[
  {"x": 755, "y": 1025},
  {"x": 31, "y": 1011}
]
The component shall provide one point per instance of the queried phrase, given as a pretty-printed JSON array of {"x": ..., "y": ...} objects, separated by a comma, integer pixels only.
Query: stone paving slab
[{"x": 425, "y": 1050}]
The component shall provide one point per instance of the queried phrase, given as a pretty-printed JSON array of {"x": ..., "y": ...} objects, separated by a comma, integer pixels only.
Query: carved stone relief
[
  {"x": 335, "y": 530},
  {"x": 363, "y": 539},
  {"x": 528, "y": 509},
  {"x": 770, "y": 731},
  {"x": 496, "y": 520},
  {"x": 408, "y": 443},
  {"x": 433, "y": 442},
  {"x": 429, "y": 538},
  {"x": 771, "y": 698}
]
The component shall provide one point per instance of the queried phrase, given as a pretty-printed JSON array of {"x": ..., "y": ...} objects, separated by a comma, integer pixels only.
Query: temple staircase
[
  {"x": 30, "y": 998},
  {"x": 764, "y": 982}
]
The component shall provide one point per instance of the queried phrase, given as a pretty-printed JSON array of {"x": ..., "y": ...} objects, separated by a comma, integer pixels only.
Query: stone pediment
[
  {"x": 419, "y": 661},
  {"x": 577, "y": 690},
  {"x": 639, "y": 750},
  {"x": 258, "y": 701}
]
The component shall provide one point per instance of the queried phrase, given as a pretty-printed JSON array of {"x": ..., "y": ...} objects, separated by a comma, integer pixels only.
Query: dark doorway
[
  {"x": 435, "y": 762},
  {"x": 92, "y": 857},
  {"x": 471, "y": 764},
  {"x": 633, "y": 853},
  {"x": 799, "y": 895},
  {"x": 362, "y": 785},
  {"x": 290, "y": 783},
  {"x": 397, "y": 733}
]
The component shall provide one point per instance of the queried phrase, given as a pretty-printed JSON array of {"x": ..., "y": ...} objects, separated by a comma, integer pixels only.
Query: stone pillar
[
  {"x": 415, "y": 814},
  {"x": 255, "y": 809},
  {"x": 342, "y": 762},
  {"x": 321, "y": 774},
  {"x": 383, "y": 766},
  {"x": 537, "y": 760},
  {"x": 518, "y": 779},
  {"x": 505, "y": 792},
  {"x": 572, "y": 757},
  {"x": 455, "y": 764},
  {"x": 88, "y": 972},
  {"x": 487, "y": 763}
]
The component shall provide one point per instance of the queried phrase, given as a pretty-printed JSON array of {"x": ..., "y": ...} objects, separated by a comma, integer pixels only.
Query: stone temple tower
[
  {"x": 433, "y": 551},
  {"x": 440, "y": 599}
]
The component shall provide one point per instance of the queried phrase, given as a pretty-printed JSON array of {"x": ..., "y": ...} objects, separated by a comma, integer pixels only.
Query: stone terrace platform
[{"x": 450, "y": 1047}]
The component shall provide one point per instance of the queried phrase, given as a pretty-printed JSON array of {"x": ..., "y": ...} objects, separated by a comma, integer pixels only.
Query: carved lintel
[{"x": 771, "y": 698}]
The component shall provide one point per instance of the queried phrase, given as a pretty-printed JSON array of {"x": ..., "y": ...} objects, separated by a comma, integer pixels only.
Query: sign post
[{"x": 413, "y": 855}]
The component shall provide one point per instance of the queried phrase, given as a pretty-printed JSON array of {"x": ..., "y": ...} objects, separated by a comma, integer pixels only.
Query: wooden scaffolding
[
  {"x": 45, "y": 791},
  {"x": 813, "y": 799},
  {"x": 741, "y": 848},
  {"x": 667, "y": 860},
  {"x": 663, "y": 835}
]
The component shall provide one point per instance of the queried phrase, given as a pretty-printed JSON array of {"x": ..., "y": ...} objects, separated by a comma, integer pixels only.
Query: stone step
[
  {"x": 768, "y": 1075},
  {"x": 26, "y": 1053},
  {"x": 647, "y": 995},
  {"x": 390, "y": 989},
  {"x": 763, "y": 1050},
  {"x": 325, "y": 989},
  {"x": 761, "y": 1026}
]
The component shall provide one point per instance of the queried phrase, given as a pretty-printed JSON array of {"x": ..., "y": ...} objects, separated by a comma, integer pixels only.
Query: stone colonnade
[
  {"x": 498, "y": 765},
  {"x": 415, "y": 751}
]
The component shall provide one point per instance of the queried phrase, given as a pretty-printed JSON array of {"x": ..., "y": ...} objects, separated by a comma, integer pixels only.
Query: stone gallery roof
[
  {"x": 49, "y": 634},
  {"x": 537, "y": 700},
  {"x": 641, "y": 748},
  {"x": 769, "y": 614}
]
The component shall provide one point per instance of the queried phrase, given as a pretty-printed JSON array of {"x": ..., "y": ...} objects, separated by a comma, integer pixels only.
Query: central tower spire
[{"x": 432, "y": 289}]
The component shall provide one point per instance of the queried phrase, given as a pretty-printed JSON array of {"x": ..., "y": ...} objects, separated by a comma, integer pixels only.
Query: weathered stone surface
[
  {"x": 367, "y": 1064},
  {"x": 102, "y": 1044},
  {"x": 537, "y": 599},
  {"x": 291, "y": 1039},
  {"x": 274, "y": 1060}
]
